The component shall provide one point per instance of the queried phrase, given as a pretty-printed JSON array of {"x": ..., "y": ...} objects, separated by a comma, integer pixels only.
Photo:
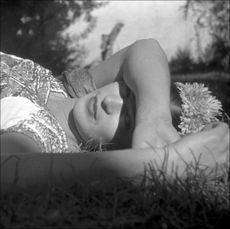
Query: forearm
[
  {"x": 146, "y": 71},
  {"x": 37, "y": 172},
  {"x": 109, "y": 70},
  {"x": 144, "y": 68}
]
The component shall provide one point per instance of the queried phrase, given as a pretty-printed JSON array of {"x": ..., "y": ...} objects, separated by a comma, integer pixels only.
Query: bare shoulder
[{"x": 18, "y": 143}]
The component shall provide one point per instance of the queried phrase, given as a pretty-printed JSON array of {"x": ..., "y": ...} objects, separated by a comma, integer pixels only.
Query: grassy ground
[{"x": 196, "y": 202}]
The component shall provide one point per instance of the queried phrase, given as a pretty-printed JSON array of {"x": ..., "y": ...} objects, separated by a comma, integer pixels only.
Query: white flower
[{"x": 199, "y": 107}]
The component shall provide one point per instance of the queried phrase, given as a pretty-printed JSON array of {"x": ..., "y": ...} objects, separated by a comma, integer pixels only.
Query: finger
[
  {"x": 138, "y": 143},
  {"x": 210, "y": 126},
  {"x": 211, "y": 135},
  {"x": 173, "y": 136},
  {"x": 219, "y": 128}
]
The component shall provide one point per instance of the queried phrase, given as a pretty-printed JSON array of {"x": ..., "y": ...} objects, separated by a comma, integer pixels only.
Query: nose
[{"x": 112, "y": 104}]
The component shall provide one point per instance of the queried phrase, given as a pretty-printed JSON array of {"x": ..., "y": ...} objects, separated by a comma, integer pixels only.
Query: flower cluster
[{"x": 199, "y": 107}]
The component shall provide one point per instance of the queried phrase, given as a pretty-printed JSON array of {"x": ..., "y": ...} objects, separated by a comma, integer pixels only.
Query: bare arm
[
  {"x": 144, "y": 68},
  {"x": 16, "y": 142},
  {"x": 35, "y": 172},
  {"x": 146, "y": 71},
  {"x": 38, "y": 171}
]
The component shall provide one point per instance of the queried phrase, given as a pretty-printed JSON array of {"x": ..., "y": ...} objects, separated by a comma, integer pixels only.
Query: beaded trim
[{"x": 24, "y": 78}]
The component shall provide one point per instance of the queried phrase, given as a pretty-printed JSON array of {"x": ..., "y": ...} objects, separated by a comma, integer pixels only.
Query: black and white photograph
[{"x": 115, "y": 114}]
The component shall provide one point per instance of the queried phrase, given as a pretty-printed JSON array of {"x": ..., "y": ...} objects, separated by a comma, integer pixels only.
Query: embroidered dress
[{"x": 31, "y": 84}]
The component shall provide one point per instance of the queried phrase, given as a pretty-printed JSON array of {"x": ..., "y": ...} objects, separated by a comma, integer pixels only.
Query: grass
[
  {"x": 199, "y": 201},
  {"x": 196, "y": 202}
]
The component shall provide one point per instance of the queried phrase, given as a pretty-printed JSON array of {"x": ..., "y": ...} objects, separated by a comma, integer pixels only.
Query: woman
[{"x": 51, "y": 121}]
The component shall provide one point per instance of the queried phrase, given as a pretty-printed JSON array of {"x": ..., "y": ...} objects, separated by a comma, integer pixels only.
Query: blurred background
[{"x": 60, "y": 34}]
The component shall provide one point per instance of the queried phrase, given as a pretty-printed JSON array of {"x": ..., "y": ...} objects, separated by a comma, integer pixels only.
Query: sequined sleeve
[
  {"x": 78, "y": 82},
  {"x": 44, "y": 130},
  {"x": 25, "y": 78}
]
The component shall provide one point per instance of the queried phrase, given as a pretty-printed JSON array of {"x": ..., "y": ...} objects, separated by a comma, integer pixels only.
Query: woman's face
[{"x": 106, "y": 115}]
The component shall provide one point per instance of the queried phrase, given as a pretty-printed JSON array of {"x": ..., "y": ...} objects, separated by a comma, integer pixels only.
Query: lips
[{"x": 92, "y": 107}]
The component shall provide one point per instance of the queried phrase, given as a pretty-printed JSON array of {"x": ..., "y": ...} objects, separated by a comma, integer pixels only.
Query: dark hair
[{"x": 175, "y": 106}]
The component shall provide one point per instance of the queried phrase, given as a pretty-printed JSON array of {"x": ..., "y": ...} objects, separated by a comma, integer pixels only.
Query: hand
[
  {"x": 210, "y": 146},
  {"x": 157, "y": 133}
]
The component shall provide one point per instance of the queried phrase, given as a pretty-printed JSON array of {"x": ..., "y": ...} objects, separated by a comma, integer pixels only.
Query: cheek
[
  {"x": 81, "y": 119},
  {"x": 107, "y": 128},
  {"x": 102, "y": 131}
]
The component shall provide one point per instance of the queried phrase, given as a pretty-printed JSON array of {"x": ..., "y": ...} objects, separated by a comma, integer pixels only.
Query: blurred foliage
[
  {"x": 182, "y": 62},
  {"x": 213, "y": 16},
  {"x": 34, "y": 29}
]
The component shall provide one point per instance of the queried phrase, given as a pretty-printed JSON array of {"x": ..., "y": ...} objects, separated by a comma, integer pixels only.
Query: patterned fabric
[
  {"x": 24, "y": 78},
  {"x": 78, "y": 82}
]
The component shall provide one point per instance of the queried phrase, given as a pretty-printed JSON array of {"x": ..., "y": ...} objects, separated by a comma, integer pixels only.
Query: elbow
[
  {"x": 147, "y": 44},
  {"x": 146, "y": 48}
]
